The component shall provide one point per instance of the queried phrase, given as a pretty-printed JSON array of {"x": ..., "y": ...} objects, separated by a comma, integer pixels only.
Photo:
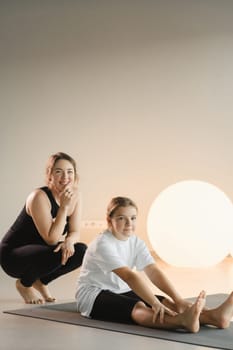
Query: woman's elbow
[{"x": 51, "y": 241}]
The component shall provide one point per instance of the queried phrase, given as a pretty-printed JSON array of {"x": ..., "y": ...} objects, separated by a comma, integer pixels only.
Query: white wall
[{"x": 138, "y": 92}]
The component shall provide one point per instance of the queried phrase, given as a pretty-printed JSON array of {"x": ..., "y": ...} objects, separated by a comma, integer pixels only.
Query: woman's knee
[{"x": 80, "y": 250}]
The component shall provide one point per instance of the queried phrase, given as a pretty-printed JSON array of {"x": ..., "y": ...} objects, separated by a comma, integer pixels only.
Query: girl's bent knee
[{"x": 139, "y": 312}]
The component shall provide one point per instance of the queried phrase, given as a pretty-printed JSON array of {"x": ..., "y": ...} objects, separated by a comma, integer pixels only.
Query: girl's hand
[
  {"x": 160, "y": 310},
  {"x": 67, "y": 250}
]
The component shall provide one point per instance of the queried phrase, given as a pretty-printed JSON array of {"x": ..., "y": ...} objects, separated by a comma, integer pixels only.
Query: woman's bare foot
[
  {"x": 220, "y": 316},
  {"x": 190, "y": 317},
  {"x": 44, "y": 291},
  {"x": 28, "y": 294}
]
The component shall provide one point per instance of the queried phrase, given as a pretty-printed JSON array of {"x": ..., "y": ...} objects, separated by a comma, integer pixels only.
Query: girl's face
[
  {"x": 62, "y": 175},
  {"x": 123, "y": 222}
]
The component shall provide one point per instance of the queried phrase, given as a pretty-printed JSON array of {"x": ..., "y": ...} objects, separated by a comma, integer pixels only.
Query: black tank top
[{"x": 23, "y": 231}]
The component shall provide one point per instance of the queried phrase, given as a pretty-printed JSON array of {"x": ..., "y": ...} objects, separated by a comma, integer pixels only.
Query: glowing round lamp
[
  {"x": 231, "y": 250},
  {"x": 190, "y": 224}
]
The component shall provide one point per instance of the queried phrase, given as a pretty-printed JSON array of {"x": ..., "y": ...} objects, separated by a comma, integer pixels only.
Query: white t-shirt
[{"x": 104, "y": 254}]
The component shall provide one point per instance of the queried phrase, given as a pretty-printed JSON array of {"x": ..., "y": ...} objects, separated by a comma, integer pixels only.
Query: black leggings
[
  {"x": 109, "y": 306},
  {"x": 34, "y": 261}
]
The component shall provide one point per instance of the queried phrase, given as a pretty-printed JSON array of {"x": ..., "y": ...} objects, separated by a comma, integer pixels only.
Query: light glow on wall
[{"x": 190, "y": 224}]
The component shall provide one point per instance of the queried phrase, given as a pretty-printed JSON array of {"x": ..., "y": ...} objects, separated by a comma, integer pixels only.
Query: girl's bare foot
[
  {"x": 190, "y": 317},
  {"x": 28, "y": 294},
  {"x": 220, "y": 316},
  {"x": 44, "y": 291}
]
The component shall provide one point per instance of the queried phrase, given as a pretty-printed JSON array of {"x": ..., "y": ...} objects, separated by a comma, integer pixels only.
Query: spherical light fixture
[{"x": 190, "y": 224}]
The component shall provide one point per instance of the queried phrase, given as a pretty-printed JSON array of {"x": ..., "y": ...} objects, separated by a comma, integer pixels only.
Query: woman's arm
[
  {"x": 51, "y": 230},
  {"x": 73, "y": 236},
  {"x": 39, "y": 208}
]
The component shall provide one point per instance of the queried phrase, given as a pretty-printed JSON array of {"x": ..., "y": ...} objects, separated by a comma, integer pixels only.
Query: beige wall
[{"x": 139, "y": 92}]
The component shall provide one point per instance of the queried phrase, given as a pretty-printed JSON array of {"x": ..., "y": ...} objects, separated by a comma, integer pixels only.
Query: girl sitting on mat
[
  {"x": 110, "y": 289},
  {"x": 43, "y": 243}
]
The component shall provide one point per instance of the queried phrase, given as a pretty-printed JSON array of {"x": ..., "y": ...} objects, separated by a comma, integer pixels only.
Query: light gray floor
[{"x": 17, "y": 332}]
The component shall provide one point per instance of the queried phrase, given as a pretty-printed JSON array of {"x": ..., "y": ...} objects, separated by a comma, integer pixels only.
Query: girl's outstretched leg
[
  {"x": 220, "y": 316},
  {"x": 188, "y": 320}
]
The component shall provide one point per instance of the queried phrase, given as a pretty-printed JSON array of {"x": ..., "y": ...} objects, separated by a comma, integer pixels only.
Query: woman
[
  {"x": 43, "y": 242},
  {"x": 109, "y": 288}
]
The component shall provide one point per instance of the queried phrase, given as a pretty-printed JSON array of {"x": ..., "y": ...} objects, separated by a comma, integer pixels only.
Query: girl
[
  {"x": 34, "y": 250},
  {"x": 110, "y": 289}
]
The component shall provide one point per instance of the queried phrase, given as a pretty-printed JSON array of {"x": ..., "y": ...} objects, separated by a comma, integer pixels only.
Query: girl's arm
[
  {"x": 138, "y": 285},
  {"x": 159, "y": 279}
]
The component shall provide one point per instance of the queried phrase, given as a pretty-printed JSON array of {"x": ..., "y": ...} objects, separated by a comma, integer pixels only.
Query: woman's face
[
  {"x": 123, "y": 222},
  {"x": 62, "y": 175}
]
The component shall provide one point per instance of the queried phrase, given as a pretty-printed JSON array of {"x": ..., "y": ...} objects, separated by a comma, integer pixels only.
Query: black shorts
[{"x": 109, "y": 306}]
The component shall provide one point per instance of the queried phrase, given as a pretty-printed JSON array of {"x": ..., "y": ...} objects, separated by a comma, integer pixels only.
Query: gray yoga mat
[{"x": 66, "y": 313}]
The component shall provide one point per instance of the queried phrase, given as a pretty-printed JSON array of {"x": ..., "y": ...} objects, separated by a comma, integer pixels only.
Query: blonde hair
[
  {"x": 52, "y": 161},
  {"x": 118, "y": 202}
]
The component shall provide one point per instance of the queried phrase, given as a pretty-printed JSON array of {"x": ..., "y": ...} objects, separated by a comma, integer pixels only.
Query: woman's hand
[
  {"x": 160, "y": 310},
  {"x": 67, "y": 196},
  {"x": 67, "y": 250}
]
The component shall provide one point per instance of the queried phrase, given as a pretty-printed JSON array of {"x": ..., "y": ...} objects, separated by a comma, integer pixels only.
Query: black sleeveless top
[{"x": 23, "y": 231}]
